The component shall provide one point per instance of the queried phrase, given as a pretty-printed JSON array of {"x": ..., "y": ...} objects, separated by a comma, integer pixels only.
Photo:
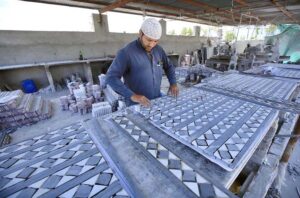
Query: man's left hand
[{"x": 173, "y": 90}]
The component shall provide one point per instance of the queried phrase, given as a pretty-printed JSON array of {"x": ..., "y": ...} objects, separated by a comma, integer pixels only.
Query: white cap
[{"x": 151, "y": 28}]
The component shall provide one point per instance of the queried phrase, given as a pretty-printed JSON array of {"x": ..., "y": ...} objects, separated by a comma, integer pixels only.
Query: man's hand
[
  {"x": 173, "y": 90},
  {"x": 141, "y": 100}
]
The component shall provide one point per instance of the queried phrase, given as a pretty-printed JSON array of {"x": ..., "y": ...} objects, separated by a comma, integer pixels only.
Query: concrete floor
[
  {"x": 58, "y": 120},
  {"x": 292, "y": 176}
]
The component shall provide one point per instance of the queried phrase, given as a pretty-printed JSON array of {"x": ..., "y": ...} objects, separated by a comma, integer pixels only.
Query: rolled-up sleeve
[
  {"x": 169, "y": 69},
  {"x": 116, "y": 71}
]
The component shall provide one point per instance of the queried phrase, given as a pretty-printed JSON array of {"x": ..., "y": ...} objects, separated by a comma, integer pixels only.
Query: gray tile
[
  {"x": 30, "y": 155},
  {"x": 64, "y": 142},
  {"x": 74, "y": 170},
  {"x": 68, "y": 154},
  {"x": 104, "y": 179},
  {"x": 152, "y": 146},
  {"x": 201, "y": 142},
  {"x": 225, "y": 155},
  {"x": 27, "y": 193},
  {"x": 207, "y": 190},
  {"x": 83, "y": 191},
  {"x": 51, "y": 182},
  {"x": 47, "y": 148},
  {"x": 93, "y": 161},
  {"x": 163, "y": 154},
  {"x": 3, "y": 181},
  {"x": 143, "y": 138},
  {"x": 174, "y": 164},
  {"x": 26, "y": 172},
  {"x": 85, "y": 147},
  {"x": 8, "y": 163},
  {"x": 48, "y": 163},
  {"x": 189, "y": 176},
  {"x": 232, "y": 147}
]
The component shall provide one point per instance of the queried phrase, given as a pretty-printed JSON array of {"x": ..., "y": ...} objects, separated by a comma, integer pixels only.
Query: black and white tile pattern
[
  {"x": 62, "y": 163},
  {"x": 189, "y": 177},
  {"x": 219, "y": 127}
]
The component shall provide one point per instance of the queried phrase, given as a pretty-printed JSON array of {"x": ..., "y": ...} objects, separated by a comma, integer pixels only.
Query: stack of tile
[
  {"x": 112, "y": 97},
  {"x": 18, "y": 109},
  {"x": 101, "y": 108},
  {"x": 102, "y": 81}
]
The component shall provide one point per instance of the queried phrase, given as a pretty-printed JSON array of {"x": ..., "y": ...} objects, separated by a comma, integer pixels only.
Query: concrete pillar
[
  {"x": 50, "y": 78},
  {"x": 88, "y": 72},
  {"x": 197, "y": 31},
  {"x": 163, "y": 24}
]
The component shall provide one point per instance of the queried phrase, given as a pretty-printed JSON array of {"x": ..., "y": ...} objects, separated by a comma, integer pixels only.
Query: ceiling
[{"x": 223, "y": 12}]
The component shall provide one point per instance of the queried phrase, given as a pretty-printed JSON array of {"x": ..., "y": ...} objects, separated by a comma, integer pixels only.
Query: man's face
[{"x": 147, "y": 42}]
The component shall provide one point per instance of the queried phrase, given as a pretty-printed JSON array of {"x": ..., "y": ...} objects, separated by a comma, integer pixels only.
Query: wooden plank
[{"x": 114, "y": 5}]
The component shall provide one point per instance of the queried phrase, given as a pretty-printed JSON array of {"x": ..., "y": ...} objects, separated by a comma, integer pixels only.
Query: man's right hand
[{"x": 141, "y": 100}]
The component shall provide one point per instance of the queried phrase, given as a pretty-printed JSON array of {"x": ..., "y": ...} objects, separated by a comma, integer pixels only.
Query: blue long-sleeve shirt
[{"x": 142, "y": 73}]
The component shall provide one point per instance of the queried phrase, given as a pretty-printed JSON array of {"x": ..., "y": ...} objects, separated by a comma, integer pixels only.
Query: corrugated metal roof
[{"x": 201, "y": 11}]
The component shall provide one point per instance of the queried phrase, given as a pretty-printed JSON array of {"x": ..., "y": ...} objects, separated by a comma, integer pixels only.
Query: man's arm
[
  {"x": 113, "y": 78},
  {"x": 116, "y": 71}
]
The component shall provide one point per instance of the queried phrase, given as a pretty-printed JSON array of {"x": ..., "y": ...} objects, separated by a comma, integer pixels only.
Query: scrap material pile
[
  {"x": 290, "y": 71},
  {"x": 18, "y": 109},
  {"x": 86, "y": 98},
  {"x": 193, "y": 73}
]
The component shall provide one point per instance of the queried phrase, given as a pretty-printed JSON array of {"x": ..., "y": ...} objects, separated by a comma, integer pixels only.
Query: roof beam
[
  {"x": 117, "y": 4},
  {"x": 178, "y": 11},
  {"x": 241, "y": 2},
  {"x": 285, "y": 11}
]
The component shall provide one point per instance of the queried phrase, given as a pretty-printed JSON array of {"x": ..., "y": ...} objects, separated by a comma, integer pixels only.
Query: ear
[{"x": 141, "y": 33}]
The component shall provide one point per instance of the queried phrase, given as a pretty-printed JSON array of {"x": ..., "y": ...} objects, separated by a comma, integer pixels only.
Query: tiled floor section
[
  {"x": 221, "y": 128},
  {"x": 189, "y": 177},
  {"x": 264, "y": 87},
  {"x": 62, "y": 163},
  {"x": 280, "y": 71}
]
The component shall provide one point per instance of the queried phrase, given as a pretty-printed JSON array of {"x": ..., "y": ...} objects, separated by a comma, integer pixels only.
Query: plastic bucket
[{"x": 29, "y": 86}]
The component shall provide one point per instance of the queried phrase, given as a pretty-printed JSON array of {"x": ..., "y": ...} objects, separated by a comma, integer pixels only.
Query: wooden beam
[
  {"x": 285, "y": 11},
  {"x": 178, "y": 11},
  {"x": 241, "y": 2},
  {"x": 117, "y": 4}
]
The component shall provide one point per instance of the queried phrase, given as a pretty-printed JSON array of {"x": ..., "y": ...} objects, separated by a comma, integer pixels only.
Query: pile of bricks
[
  {"x": 82, "y": 98},
  {"x": 18, "y": 109}
]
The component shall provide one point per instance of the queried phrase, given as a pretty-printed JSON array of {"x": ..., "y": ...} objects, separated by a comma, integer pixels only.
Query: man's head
[{"x": 150, "y": 33}]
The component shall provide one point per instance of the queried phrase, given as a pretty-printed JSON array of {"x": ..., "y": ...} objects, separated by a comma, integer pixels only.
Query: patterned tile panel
[
  {"x": 263, "y": 87},
  {"x": 189, "y": 177},
  {"x": 221, "y": 128},
  {"x": 62, "y": 163}
]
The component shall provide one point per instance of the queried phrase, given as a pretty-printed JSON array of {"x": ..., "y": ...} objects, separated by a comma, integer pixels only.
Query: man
[{"x": 140, "y": 63}]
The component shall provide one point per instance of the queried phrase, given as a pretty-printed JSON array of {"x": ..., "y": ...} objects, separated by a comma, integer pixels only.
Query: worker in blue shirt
[{"x": 141, "y": 65}]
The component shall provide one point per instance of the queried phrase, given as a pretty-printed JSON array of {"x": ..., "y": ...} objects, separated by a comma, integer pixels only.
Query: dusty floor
[
  {"x": 58, "y": 120},
  {"x": 291, "y": 186}
]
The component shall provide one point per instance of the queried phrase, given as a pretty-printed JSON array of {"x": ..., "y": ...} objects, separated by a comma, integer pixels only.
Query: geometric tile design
[
  {"x": 221, "y": 128},
  {"x": 268, "y": 92},
  {"x": 62, "y": 163},
  {"x": 279, "y": 70},
  {"x": 189, "y": 177},
  {"x": 264, "y": 87}
]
